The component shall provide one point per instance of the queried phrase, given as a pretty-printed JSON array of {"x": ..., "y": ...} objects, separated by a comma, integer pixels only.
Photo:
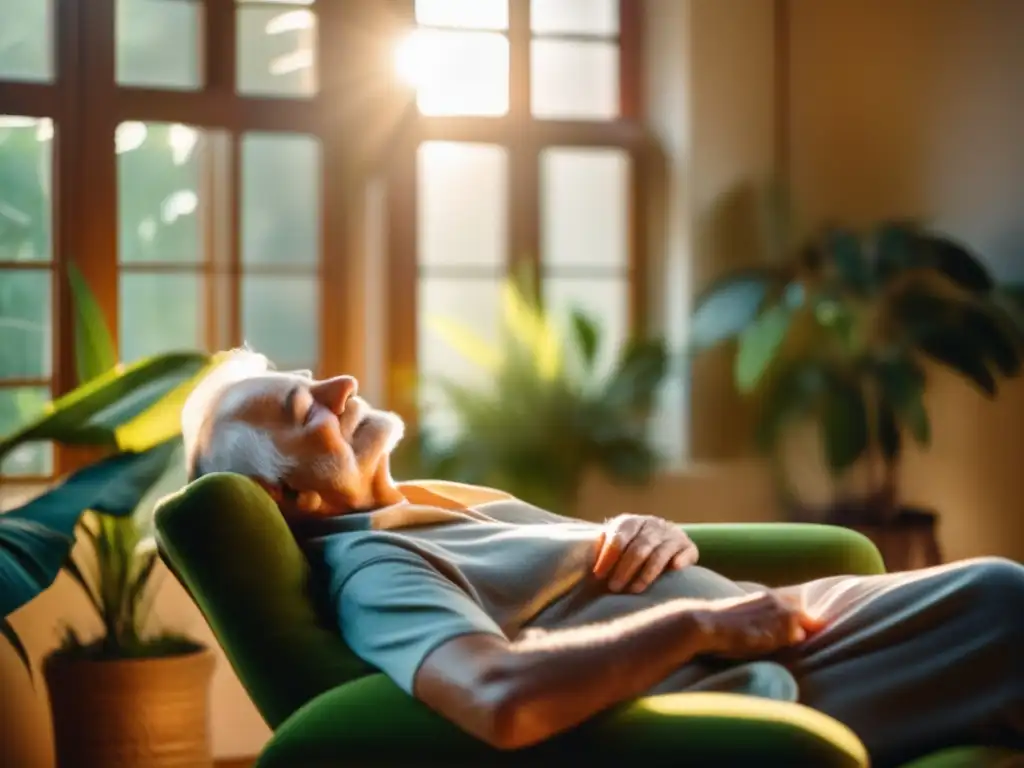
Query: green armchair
[{"x": 225, "y": 541}]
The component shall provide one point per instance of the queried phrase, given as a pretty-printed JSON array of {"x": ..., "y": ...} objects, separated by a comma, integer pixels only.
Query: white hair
[{"x": 214, "y": 443}]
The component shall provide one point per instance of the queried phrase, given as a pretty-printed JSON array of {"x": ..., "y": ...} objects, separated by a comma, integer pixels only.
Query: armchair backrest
[{"x": 224, "y": 539}]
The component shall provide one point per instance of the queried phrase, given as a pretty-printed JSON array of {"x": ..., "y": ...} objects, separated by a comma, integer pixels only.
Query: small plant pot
[{"x": 142, "y": 713}]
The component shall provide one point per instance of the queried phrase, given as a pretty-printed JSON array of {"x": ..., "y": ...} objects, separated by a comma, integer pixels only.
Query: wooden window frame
[
  {"x": 86, "y": 105},
  {"x": 525, "y": 137}
]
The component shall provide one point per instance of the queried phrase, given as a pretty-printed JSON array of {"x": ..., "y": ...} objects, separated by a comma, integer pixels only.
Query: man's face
[{"x": 337, "y": 443}]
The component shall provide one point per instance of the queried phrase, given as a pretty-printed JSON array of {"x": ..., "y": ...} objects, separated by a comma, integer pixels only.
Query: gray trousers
[{"x": 914, "y": 662}]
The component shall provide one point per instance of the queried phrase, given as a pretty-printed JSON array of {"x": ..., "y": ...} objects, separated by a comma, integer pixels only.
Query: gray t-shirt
[{"x": 455, "y": 560}]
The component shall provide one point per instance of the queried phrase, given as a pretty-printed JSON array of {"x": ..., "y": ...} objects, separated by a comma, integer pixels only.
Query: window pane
[
  {"x": 159, "y": 313},
  {"x": 469, "y": 14},
  {"x": 17, "y": 406},
  {"x": 575, "y": 80},
  {"x": 26, "y": 40},
  {"x": 456, "y": 73},
  {"x": 575, "y": 17},
  {"x": 280, "y": 204},
  {"x": 471, "y": 303},
  {"x": 276, "y": 50},
  {"x": 281, "y": 318},
  {"x": 159, "y": 169},
  {"x": 463, "y": 204},
  {"x": 585, "y": 208},
  {"x": 603, "y": 300},
  {"x": 158, "y": 43},
  {"x": 26, "y": 151},
  {"x": 25, "y": 324}
]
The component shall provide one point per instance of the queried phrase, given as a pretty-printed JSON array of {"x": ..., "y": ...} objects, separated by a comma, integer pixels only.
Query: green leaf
[
  {"x": 728, "y": 306},
  {"x": 92, "y": 413},
  {"x": 641, "y": 370},
  {"x": 585, "y": 333},
  {"x": 758, "y": 345},
  {"x": 889, "y": 436},
  {"x": 848, "y": 257},
  {"x": 896, "y": 249},
  {"x": 94, "y": 347},
  {"x": 956, "y": 350},
  {"x": 844, "y": 422},
  {"x": 78, "y": 575},
  {"x": 957, "y": 263},
  {"x": 792, "y": 394},
  {"x": 7, "y": 632},
  {"x": 994, "y": 337},
  {"x": 937, "y": 326},
  {"x": 36, "y": 538},
  {"x": 901, "y": 384}
]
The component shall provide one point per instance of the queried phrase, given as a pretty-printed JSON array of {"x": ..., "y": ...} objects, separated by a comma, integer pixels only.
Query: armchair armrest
[{"x": 776, "y": 554}]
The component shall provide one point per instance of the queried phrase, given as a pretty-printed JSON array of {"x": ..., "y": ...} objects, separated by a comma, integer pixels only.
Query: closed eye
[{"x": 299, "y": 405}]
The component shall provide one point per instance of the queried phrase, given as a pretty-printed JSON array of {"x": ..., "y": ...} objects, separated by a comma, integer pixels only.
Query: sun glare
[{"x": 455, "y": 73}]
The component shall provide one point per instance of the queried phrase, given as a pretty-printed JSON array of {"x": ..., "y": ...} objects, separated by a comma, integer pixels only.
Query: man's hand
[
  {"x": 752, "y": 626},
  {"x": 634, "y": 550}
]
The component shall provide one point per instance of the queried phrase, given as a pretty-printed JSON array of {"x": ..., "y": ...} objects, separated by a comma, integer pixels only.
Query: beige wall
[
  {"x": 916, "y": 108},
  {"x": 897, "y": 107}
]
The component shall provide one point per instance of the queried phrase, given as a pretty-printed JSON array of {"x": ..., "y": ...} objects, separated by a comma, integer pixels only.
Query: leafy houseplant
[
  {"x": 841, "y": 333},
  {"x": 546, "y": 414},
  {"x": 130, "y": 416}
]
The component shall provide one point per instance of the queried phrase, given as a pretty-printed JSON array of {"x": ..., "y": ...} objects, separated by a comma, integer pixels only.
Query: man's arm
[{"x": 514, "y": 694}]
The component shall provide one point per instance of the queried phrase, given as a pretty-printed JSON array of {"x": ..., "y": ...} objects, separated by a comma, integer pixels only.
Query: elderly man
[{"x": 516, "y": 623}]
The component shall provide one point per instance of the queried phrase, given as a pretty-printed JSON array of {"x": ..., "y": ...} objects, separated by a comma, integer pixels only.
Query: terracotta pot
[{"x": 131, "y": 713}]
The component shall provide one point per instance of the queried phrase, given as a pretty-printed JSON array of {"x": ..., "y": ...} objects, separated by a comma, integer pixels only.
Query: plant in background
[
  {"x": 546, "y": 414},
  {"x": 130, "y": 415},
  {"x": 841, "y": 333}
]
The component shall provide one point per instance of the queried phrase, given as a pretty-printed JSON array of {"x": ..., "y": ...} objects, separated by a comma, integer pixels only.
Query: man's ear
[{"x": 290, "y": 501}]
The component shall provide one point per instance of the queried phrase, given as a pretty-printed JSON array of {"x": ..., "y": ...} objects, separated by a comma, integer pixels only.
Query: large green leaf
[
  {"x": 889, "y": 436},
  {"x": 903, "y": 245},
  {"x": 92, "y": 413},
  {"x": 791, "y": 394},
  {"x": 994, "y": 336},
  {"x": 641, "y": 370},
  {"x": 847, "y": 255},
  {"x": 901, "y": 384},
  {"x": 758, "y": 346},
  {"x": 957, "y": 263},
  {"x": 94, "y": 347},
  {"x": 956, "y": 350},
  {"x": 728, "y": 306},
  {"x": 844, "y": 422},
  {"x": 36, "y": 538}
]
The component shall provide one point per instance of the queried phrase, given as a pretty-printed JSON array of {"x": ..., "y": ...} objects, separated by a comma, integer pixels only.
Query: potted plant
[
  {"x": 547, "y": 414},
  {"x": 840, "y": 333},
  {"x": 132, "y": 695}
]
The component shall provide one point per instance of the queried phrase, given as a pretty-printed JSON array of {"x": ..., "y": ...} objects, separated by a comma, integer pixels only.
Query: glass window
[
  {"x": 281, "y": 318},
  {"x": 280, "y": 203},
  {"x": 18, "y": 405},
  {"x": 456, "y": 73},
  {"x": 26, "y": 331},
  {"x": 463, "y": 302},
  {"x": 277, "y": 49},
  {"x": 463, "y": 205},
  {"x": 605, "y": 300},
  {"x": 584, "y": 208},
  {"x": 26, "y": 40},
  {"x": 159, "y": 312},
  {"x": 599, "y": 18},
  {"x": 467, "y": 14},
  {"x": 26, "y": 151},
  {"x": 159, "y": 170},
  {"x": 574, "y": 80},
  {"x": 158, "y": 43}
]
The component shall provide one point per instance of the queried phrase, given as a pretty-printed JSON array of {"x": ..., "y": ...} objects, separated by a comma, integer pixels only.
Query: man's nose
[{"x": 334, "y": 393}]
